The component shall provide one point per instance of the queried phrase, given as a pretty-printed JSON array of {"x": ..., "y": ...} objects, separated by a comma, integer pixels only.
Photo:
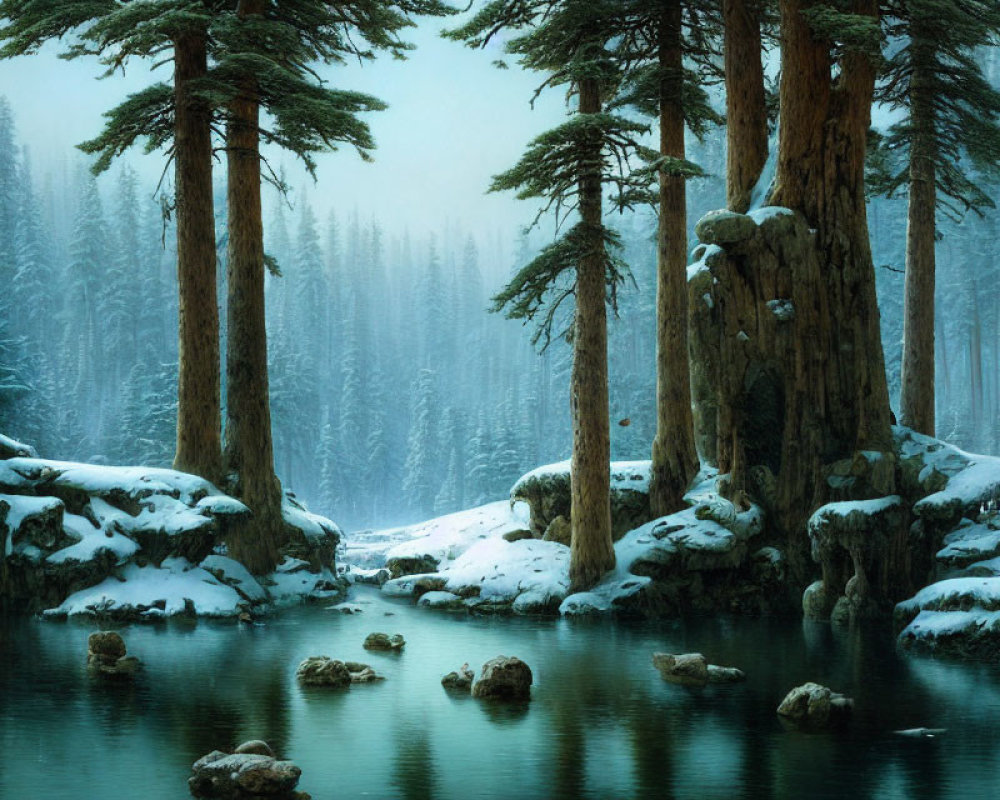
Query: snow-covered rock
[
  {"x": 11, "y": 448},
  {"x": 176, "y": 587},
  {"x": 546, "y": 490},
  {"x": 91, "y": 539},
  {"x": 958, "y": 616}
]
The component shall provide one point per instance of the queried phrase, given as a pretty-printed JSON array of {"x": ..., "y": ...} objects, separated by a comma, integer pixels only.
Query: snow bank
[
  {"x": 176, "y": 587},
  {"x": 446, "y": 538}
]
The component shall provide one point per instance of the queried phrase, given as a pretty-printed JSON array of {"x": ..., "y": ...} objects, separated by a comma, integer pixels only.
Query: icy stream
[{"x": 601, "y": 723}]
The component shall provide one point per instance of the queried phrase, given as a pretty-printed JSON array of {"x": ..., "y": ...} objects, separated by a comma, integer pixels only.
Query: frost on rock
[
  {"x": 70, "y": 530},
  {"x": 546, "y": 490},
  {"x": 850, "y": 541},
  {"x": 11, "y": 448},
  {"x": 958, "y": 616}
]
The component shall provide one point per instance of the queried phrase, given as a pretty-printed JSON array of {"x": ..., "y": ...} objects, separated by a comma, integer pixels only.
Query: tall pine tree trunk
[
  {"x": 199, "y": 449},
  {"x": 591, "y": 552},
  {"x": 746, "y": 112},
  {"x": 917, "y": 391},
  {"x": 249, "y": 449},
  {"x": 675, "y": 461}
]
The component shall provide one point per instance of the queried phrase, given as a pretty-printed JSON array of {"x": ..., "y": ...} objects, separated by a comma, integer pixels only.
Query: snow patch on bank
[
  {"x": 175, "y": 587},
  {"x": 447, "y": 538}
]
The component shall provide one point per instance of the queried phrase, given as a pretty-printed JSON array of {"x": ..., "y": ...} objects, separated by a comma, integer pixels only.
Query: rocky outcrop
[
  {"x": 504, "y": 678},
  {"x": 75, "y": 535},
  {"x": 691, "y": 669},
  {"x": 814, "y": 707},
  {"x": 850, "y": 541},
  {"x": 245, "y": 775},
  {"x": 410, "y": 565},
  {"x": 383, "y": 641}
]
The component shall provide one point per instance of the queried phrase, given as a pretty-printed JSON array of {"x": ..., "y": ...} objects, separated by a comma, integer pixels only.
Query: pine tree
[
  {"x": 662, "y": 36},
  {"x": 420, "y": 477},
  {"x": 951, "y": 111},
  {"x": 181, "y": 116},
  {"x": 570, "y": 166},
  {"x": 262, "y": 54}
]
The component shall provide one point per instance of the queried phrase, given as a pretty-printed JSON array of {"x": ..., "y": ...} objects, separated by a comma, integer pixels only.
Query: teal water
[{"x": 601, "y": 723}]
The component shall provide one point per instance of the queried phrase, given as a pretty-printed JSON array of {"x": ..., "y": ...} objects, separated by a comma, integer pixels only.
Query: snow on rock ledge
[
  {"x": 142, "y": 543},
  {"x": 959, "y": 616},
  {"x": 688, "y": 559},
  {"x": 547, "y": 491}
]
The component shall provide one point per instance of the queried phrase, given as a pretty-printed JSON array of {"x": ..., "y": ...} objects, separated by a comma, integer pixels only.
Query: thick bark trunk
[
  {"x": 821, "y": 173},
  {"x": 199, "y": 448},
  {"x": 746, "y": 112},
  {"x": 675, "y": 461},
  {"x": 838, "y": 401},
  {"x": 591, "y": 552},
  {"x": 249, "y": 449},
  {"x": 917, "y": 391}
]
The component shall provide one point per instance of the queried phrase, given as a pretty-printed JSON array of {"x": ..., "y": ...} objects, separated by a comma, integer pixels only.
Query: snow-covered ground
[{"x": 486, "y": 559}]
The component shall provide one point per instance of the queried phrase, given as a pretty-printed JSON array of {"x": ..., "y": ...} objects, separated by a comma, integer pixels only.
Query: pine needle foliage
[
  {"x": 571, "y": 42},
  {"x": 939, "y": 41},
  {"x": 280, "y": 48}
]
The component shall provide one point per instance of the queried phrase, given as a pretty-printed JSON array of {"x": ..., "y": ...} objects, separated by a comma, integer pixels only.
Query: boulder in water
[
  {"x": 460, "y": 679},
  {"x": 323, "y": 671},
  {"x": 813, "y": 706},
  {"x": 503, "y": 677},
  {"x": 244, "y": 776},
  {"x": 383, "y": 641}
]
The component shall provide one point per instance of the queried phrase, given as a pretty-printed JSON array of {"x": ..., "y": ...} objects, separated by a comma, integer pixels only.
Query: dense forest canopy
[{"x": 394, "y": 394}]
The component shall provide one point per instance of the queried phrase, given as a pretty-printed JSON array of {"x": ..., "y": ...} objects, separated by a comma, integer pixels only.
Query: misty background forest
[{"x": 395, "y": 395}]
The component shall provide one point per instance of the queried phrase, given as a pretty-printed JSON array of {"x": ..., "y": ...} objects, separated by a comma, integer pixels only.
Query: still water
[{"x": 601, "y": 723}]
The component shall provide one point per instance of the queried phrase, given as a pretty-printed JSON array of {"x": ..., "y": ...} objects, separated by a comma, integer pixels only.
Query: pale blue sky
[{"x": 453, "y": 121}]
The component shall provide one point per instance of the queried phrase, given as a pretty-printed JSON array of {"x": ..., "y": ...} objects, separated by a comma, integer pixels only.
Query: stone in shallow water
[
  {"x": 684, "y": 669},
  {"x": 460, "y": 679},
  {"x": 106, "y": 645},
  {"x": 106, "y": 654},
  {"x": 256, "y": 747},
  {"x": 242, "y": 776},
  {"x": 383, "y": 641},
  {"x": 323, "y": 671},
  {"x": 362, "y": 673},
  {"x": 814, "y": 706},
  {"x": 503, "y": 677}
]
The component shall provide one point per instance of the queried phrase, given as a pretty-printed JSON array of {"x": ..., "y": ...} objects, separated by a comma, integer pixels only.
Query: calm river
[{"x": 601, "y": 723}]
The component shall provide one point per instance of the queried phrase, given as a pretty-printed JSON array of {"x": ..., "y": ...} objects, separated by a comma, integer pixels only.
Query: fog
[{"x": 454, "y": 120}]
